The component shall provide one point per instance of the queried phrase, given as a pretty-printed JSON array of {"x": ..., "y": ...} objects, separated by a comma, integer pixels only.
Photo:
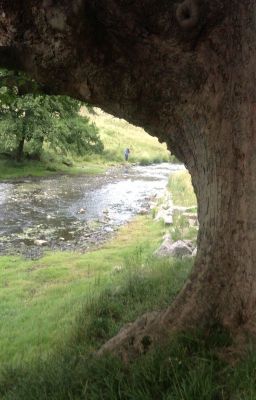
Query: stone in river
[{"x": 40, "y": 242}]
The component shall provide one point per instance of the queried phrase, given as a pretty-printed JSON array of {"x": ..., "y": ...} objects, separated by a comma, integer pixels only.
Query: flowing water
[{"x": 75, "y": 212}]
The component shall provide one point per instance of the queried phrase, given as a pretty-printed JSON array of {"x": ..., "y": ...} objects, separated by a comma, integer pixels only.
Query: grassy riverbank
[
  {"x": 181, "y": 189},
  {"x": 10, "y": 169},
  {"x": 68, "y": 304},
  {"x": 40, "y": 298},
  {"x": 116, "y": 135},
  {"x": 57, "y": 311}
]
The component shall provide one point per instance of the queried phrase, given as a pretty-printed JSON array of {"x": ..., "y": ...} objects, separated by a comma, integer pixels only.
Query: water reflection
[{"x": 75, "y": 212}]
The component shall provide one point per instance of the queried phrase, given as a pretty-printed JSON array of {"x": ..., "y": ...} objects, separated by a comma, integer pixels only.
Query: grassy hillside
[{"x": 117, "y": 134}]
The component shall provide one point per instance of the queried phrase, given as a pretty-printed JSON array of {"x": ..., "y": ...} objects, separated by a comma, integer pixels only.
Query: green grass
[
  {"x": 182, "y": 190},
  {"x": 182, "y": 195},
  {"x": 116, "y": 135},
  {"x": 181, "y": 229},
  {"x": 58, "y": 310},
  {"x": 10, "y": 169},
  {"x": 186, "y": 368},
  {"x": 39, "y": 299}
]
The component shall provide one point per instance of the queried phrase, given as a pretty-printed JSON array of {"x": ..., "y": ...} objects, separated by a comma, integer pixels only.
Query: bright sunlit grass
[
  {"x": 40, "y": 298},
  {"x": 117, "y": 134},
  {"x": 57, "y": 311},
  {"x": 182, "y": 190}
]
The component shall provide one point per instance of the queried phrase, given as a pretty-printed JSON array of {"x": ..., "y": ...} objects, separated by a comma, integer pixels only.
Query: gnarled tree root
[
  {"x": 135, "y": 338},
  {"x": 151, "y": 328},
  {"x": 185, "y": 313}
]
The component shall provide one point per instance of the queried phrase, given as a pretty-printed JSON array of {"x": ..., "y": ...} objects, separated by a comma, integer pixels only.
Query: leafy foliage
[{"x": 30, "y": 120}]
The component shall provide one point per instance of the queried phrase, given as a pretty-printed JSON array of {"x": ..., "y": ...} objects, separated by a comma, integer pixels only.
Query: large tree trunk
[
  {"x": 218, "y": 145},
  {"x": 186, "y": 72},
  {"x": 222, "y": 287}
]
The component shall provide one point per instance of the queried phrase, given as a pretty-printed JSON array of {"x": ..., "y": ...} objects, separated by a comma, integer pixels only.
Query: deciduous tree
[
  {"x": 35, "y": 119},
  {"x": 184, "y": 70}
]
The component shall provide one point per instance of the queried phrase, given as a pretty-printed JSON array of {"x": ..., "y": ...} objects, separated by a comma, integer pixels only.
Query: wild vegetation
[
  {"x": 60, "y": 309},
  {"x": 117, "y": 134},
  {"x": 182, "y": 190}
]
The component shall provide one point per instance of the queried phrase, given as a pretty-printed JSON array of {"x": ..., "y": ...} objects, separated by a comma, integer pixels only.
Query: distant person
[{"x": 126, "y": 154}]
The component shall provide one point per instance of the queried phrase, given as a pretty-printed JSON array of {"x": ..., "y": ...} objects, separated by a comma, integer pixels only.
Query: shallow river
[{"x": 70, "y": 212}]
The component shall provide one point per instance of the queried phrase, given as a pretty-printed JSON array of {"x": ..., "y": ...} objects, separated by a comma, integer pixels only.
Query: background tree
[
  {"x": 186, "y": 72},
  {"x": 35, "y": 119}
]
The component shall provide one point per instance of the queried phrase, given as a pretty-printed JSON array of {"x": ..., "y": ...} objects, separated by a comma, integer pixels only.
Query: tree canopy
[{"x": 30, "y": 120}]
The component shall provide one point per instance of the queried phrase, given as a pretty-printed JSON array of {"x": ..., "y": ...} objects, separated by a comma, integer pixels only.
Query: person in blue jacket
[{"x": 126, "y": 154}]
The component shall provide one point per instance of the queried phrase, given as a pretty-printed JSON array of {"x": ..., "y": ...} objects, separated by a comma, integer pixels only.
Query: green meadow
[
  {"x": 58, "y": 310},
  {"x": 40, "y": 298}
]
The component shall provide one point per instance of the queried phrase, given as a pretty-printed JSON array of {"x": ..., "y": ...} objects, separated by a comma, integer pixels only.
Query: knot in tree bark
[{"x": 187, "y": 14}]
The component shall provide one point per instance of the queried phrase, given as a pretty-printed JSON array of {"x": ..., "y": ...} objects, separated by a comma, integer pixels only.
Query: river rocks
[
  {"x": 108, "y": 229},
  {"x": 191, "y": 217},
  {"x": 40, "y": 242},
  {"x": 180, "y": 249},
  {"x": 165, "y": 216},
  {"x": 48, "y": 212},
  {"x": 81, "y": 211},
  {"x": 164, "y": 249},
  {"x": 194, "y": 252},
  {"x": 164, "y": 209},
  {"x": 143, "y": 211}
]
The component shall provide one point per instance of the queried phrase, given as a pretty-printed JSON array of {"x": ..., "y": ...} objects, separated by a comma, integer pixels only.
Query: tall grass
[
  {"x": 187, "y": 367},
  {"x": 57, "y": 311},
  {"x": 182, "y": 190},
  {"x": 117, "y": 134},
  {"x": 40, "y": 298}
]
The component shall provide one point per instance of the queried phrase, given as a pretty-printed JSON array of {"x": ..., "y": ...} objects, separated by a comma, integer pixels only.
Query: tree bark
[
  {"x": 19, "y": 150},
  {"x": 186, "y": 72}
]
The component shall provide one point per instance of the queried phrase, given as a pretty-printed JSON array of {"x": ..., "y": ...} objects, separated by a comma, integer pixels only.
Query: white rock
[
  {"x": 194, "y": 252},
  {"x": 165, "y": 247},
  {"x": 40, "y": 242},
  {"x": 176, "y": 249},
  {"x": 165, "y": 215},
  {"x": 108, "y": 229},
  {"x": 168, "y": 220}
]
